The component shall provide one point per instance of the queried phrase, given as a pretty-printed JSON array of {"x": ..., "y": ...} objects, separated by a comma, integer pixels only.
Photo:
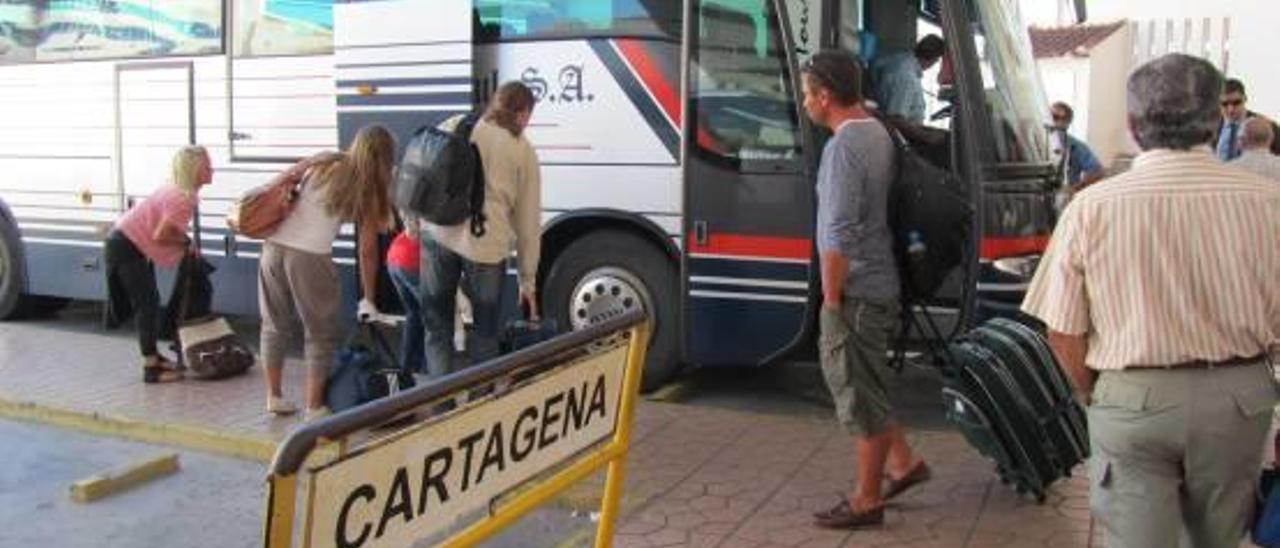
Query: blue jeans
[
  {"x": 441, "y": 272},
  {"x": 412, "y": 354}
]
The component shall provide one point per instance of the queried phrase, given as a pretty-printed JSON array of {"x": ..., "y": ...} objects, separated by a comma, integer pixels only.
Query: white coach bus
[{"x": 677, "y": 164}]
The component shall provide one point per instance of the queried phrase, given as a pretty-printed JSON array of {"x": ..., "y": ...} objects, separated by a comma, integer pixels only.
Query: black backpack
[
  {"x": 929, "y": 216},
  {"x": 441, "y": 177}
]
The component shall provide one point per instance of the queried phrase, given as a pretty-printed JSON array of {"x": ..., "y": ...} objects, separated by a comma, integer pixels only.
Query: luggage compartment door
[{"x": 154, "y": 119}]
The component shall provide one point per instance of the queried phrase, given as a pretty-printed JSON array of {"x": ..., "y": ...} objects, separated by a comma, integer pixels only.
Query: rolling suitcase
[{"x": 1011, "y": 401}]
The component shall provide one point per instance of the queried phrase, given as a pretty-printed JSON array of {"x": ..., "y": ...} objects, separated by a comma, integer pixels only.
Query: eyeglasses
[{"x": 1232, "y": 102}]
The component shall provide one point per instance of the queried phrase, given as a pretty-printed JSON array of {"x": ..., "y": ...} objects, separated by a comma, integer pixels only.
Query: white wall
[
  {"x": 1109, "y": 64},
  {"x": 1253, "y": 24}
]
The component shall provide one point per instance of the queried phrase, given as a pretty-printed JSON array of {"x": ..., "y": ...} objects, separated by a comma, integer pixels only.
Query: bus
[{"x": 677, "y": 165}]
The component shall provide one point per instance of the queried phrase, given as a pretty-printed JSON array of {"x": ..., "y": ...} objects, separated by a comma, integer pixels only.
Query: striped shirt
[{"x": 1170, "y": 262}]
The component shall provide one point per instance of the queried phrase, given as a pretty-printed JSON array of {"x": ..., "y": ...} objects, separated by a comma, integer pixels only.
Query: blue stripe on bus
[
  {"x": 410, "y": 99},
  {"x": 635, "y": 91}
]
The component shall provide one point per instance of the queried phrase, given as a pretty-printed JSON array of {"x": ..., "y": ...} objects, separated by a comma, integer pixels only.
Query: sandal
[
  {"x": 918, "y": 474},
  {"x": 843, "y": 516},
  {"x": 160, "y": 371}
]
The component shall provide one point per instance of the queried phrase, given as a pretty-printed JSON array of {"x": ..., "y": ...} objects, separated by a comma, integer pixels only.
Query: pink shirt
[{"x": 168, "y": 204}]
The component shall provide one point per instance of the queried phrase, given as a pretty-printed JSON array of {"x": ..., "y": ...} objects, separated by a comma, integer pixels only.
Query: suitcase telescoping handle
[{"x": 385, "y": 355}]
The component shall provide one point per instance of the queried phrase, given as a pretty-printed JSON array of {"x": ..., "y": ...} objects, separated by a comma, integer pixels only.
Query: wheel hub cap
[{"x": 603, "y": 294}]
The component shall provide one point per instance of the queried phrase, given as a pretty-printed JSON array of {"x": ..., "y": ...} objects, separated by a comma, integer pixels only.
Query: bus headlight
[{"x": 1023, "y": 267}]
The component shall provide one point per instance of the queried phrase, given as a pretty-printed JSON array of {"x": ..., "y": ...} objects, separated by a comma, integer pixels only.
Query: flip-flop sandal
[
  {"x": 842, "y": 506},
  {"x": 920, "y": 474},
  {"x": 844, "y": 517}
]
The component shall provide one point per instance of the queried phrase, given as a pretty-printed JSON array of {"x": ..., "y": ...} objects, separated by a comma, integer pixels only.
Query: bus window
[
  {"x": 503, "y": 19},
  {"x": 18, "y": 33},
  {"x": 1011, "y": 80},
  {"x": 60, "y": 30},
  {"x": 283, "y": 27},
  {"x": 742, "y": 93}
]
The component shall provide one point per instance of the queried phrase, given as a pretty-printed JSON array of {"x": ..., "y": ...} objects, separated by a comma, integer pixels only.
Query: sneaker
[
  {"x": 277, "y": 405},
  {"x": 317, "y": 413}
]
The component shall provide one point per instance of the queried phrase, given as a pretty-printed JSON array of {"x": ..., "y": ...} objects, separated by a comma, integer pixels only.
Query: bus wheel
[
  {"x": 607, "y": 273},
  {"x": 10, "y": 270}
]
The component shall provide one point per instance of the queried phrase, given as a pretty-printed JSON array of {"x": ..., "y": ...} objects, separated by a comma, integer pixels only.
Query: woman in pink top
[{"x": 155, "y": 233}]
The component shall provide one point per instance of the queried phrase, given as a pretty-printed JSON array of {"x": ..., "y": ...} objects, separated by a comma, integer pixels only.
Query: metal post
[
  {"x": 622, "y": 438},
  {"x": 281, "y": 496}
]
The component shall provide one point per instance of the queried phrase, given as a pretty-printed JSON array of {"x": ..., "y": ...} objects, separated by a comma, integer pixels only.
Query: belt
[{"x": 1206, "y": 364}]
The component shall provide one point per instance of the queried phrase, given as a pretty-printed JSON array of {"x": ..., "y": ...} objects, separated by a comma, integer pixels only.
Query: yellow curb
[
  {"x": 673, "y": 392},
  {"x": 223, "y": 441},
  {"x": 119, "y": 479}
]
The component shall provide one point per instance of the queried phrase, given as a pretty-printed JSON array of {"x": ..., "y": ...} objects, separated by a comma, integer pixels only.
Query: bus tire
[
  {"x": 11, "y": 271},
  {"x": 608, "y": 272}
]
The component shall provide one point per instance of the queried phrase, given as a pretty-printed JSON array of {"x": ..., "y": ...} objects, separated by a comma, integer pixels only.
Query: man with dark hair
[
  {"x": 1234, "y": 114},
  {"x": 1159, "y": 296},
  {"x": 897, "y": 77},
  {"x": 1082, "y": 167},
  {"x": 859, "y": 286}
]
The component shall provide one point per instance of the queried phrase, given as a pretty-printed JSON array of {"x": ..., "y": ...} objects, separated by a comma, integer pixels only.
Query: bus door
[
  {"x": 748, "y": 197},
  {"x": 403, "y": 64},
  {"x": 155, "y": 117}
]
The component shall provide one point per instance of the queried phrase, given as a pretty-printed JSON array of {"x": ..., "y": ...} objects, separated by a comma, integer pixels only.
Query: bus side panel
[{"x": 57, "y": 143}]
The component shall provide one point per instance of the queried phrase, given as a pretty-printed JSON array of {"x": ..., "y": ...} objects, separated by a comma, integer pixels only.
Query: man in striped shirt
[{"x": 1159, "y": 293}]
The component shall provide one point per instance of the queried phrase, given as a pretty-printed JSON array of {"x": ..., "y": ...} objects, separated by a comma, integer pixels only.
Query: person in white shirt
[
  {"x": 1255, "y": 144},
  {"x": 297, "y": 280}
]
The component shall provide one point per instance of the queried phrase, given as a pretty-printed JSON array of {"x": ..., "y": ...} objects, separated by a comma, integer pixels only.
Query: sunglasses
[{"x": 1232, "y": 102}]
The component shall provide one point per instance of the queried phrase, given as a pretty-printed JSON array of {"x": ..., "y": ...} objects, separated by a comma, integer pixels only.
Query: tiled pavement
[{"x": 696, "y": 476}]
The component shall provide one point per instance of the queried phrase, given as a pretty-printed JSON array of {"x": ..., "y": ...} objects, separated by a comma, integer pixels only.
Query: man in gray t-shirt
[{"x": 859, "y": 287}]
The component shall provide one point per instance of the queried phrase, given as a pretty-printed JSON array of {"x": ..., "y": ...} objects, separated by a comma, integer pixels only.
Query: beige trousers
[
  {"x": 1176, "y": 454},
  {"x": 297, "y": 286}
]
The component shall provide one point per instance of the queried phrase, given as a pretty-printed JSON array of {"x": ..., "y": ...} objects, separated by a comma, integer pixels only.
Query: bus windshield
[{"x": 1015, "y": 95}]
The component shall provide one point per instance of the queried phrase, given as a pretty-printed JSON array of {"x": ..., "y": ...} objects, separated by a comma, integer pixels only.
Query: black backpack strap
[{"x": 476, "y": 199}]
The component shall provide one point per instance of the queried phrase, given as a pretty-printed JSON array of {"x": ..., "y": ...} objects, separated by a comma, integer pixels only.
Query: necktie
[{"x": 1233, "y": 147}]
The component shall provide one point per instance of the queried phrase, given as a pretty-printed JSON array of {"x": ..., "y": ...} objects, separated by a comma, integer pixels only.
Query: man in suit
[{"x": 1234, "y": 114}]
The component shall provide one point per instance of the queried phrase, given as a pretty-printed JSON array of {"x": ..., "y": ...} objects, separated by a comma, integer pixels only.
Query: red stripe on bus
[
  {"x": 753, "y": 246},
  {"x": 996, "y": 247},
  {"x": 651, "y": 77}
]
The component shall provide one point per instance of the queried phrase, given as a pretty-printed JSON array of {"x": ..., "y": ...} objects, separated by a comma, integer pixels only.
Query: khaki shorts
[{"x": 853, "y": 346}]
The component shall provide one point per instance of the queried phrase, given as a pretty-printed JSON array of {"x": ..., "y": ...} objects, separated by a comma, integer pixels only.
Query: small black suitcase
[{"x": 1009, "y": 398}]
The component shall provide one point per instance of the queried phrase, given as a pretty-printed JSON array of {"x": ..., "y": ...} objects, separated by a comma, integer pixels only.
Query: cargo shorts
[{"x": 853, "y": 346}]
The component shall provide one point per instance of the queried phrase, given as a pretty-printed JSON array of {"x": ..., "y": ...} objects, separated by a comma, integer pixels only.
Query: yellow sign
[{"x": 420, "y": 482}]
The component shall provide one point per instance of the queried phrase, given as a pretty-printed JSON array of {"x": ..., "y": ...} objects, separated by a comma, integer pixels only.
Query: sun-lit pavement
[{"x": 698, "y": 475}]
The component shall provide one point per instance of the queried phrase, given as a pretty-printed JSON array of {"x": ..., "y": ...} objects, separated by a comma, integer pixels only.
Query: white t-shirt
[{"x": 309, "y": 227}]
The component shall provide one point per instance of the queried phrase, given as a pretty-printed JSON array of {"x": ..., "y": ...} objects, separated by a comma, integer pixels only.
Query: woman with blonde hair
[
  {"x": 454, "y": 255},
  {"x": 297, "y": 279},
  {"x": 151, "y": 233}
]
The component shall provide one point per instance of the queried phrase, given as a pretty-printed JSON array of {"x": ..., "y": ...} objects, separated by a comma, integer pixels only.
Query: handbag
[
  {"x": 212, "y": 350},
  {"x": 364, "y": 370},
  {"x": 260, "y": 210}
]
